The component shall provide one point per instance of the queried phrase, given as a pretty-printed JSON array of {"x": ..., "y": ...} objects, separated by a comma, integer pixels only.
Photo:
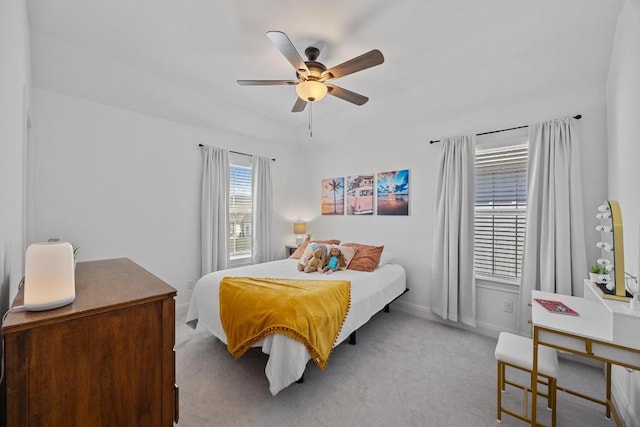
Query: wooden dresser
[{"x": 107, "y": 359}]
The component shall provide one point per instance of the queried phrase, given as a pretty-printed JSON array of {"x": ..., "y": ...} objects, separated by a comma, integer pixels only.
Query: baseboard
[
  {"x": 416, "y": 310},
  {"x": 481, "y": 328}
]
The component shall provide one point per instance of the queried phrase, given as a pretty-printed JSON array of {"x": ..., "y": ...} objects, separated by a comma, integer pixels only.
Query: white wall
[
  {"x": 123, "y": 184},
  {"x": 369, "y": 151},
  {"x": 623, "y": 111},
  {"x": 15, "y": 79},
  {"x": 623, "y": 125}
]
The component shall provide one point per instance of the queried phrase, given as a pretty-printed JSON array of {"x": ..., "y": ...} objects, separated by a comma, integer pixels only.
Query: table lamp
[
  {"x": 49, "y": 276},
  {"x": 299, "y": 228}
]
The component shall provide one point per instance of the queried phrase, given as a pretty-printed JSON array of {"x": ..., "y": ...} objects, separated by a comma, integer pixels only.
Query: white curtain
[
  {"x": 215, "y": 209},
  {"x": 262, "y": 192},
  {"x": 554, "y": 257},
  {"x": 453, "y": 282}
]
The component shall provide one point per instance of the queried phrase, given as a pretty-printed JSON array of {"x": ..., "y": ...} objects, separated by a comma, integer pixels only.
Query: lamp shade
[
  {"x": 49, "y": 278},
  {"x": 299, "y": 228},
  {"x": 311, "y": 90}
]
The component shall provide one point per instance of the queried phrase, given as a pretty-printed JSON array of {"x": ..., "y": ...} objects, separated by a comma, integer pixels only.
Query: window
[
  {"x": 500, "y": 208},
  {"x": 240, "y": 210}
]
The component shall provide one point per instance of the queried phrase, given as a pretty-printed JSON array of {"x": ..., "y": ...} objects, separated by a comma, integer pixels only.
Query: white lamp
[
  {"x": 49, "y": 276},
  {"x": 311, "y": 90},
  {"x": 298, "y": 229}
]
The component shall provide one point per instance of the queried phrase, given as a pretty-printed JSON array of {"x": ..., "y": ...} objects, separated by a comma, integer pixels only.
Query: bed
[{"x": 370, "y": 293}]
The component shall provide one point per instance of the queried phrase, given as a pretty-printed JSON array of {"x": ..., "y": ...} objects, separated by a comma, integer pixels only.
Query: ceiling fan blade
[
  {"x": 266, "y": 82},
  {"x": 299, "y": 105},
  {"x": 359, "y": 63},
  {"x": 347, "y": 95},
  {"x": 287, "y": 48}
]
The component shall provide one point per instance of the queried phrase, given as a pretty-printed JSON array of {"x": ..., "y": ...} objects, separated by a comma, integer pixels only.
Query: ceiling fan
[{"x": 312, "y": 76}]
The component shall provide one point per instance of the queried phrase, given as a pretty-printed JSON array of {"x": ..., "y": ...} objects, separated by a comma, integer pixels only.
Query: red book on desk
[{"x": 556, "y": 307}]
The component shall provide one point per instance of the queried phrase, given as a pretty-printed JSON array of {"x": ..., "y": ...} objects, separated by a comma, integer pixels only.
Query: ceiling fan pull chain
[{"x": 311, "y": 120}]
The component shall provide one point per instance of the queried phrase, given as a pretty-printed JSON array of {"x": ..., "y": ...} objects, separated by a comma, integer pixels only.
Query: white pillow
[{"x": 387, "y": 258}]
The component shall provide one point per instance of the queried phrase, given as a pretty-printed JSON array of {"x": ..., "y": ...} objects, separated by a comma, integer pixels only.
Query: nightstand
[{"x": 289, "y": 249}]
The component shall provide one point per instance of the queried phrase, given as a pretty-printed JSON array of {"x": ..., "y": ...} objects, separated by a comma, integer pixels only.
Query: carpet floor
[{"x": 404, "y": 371}]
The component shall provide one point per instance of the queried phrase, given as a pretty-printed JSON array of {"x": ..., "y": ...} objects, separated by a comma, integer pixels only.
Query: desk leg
[
  {"x": 534, "y": 377},
  {"x": 608, "y": 400}
]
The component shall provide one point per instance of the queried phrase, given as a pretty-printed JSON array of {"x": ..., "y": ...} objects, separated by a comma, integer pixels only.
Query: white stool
[{"x": 517, "y": 352}]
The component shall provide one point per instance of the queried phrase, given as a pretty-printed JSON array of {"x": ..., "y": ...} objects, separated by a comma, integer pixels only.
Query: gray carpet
[{"x": 404, "y": 371}]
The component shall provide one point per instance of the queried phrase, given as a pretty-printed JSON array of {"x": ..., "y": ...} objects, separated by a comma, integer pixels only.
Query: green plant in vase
[{"x": 594, "y": 271}]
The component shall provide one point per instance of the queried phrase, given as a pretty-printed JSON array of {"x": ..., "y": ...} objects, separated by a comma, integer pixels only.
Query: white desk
[{"x": 595, "y": 333}]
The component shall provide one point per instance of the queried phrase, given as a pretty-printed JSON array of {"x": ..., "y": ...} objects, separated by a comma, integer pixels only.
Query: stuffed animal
[
  {"x": 315, "y": 263},
  {"x": 335, "y": 262},
  {"x": 306, "y": 256}
]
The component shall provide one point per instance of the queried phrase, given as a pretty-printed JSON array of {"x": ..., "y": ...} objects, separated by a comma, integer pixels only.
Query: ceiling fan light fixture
[{"x": 311, "y": 90}]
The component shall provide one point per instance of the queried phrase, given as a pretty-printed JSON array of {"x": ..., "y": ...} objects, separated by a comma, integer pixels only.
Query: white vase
[{"x": 593, "y": 277}]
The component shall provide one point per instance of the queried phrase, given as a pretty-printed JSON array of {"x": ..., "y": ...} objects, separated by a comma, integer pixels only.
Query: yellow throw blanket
[{"x": 309, "y": 311}]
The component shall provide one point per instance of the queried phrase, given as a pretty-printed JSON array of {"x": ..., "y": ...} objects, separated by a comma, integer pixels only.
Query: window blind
[
  {"x": 500, "y": 210},
  {"x": 240, "y": 212}
]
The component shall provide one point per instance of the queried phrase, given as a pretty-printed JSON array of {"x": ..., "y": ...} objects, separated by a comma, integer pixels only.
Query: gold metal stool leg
[{"x": 500, "y": 389}]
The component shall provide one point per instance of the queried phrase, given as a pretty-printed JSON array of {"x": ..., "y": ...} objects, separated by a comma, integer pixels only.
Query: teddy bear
[
  {"x": 336, "y": 261},
  {"x": 315, "y": 263}
]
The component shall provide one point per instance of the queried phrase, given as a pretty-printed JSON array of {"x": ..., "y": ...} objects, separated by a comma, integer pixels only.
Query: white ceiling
[{"x": 180, "y": 59}]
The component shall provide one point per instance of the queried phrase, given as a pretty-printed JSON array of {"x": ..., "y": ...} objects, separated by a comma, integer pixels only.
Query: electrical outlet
[
  {"x": 190, "y": 284},
  {"x": 508, "y": 306}
]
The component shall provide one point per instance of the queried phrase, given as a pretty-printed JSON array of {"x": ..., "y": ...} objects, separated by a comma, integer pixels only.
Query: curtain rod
[
  {"x": 237, "y": 152},
  {"x": 577, "y": 117}
]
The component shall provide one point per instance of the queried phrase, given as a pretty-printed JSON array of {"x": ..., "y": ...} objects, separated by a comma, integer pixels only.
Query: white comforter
[{"x": 370, "y": 292}]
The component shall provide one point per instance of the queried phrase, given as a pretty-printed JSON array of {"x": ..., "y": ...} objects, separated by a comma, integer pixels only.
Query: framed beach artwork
[
  {"x": 360, "y": 195},
  {"x": 392, "y": 192},
  {"x": 333, "y": 196}
]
